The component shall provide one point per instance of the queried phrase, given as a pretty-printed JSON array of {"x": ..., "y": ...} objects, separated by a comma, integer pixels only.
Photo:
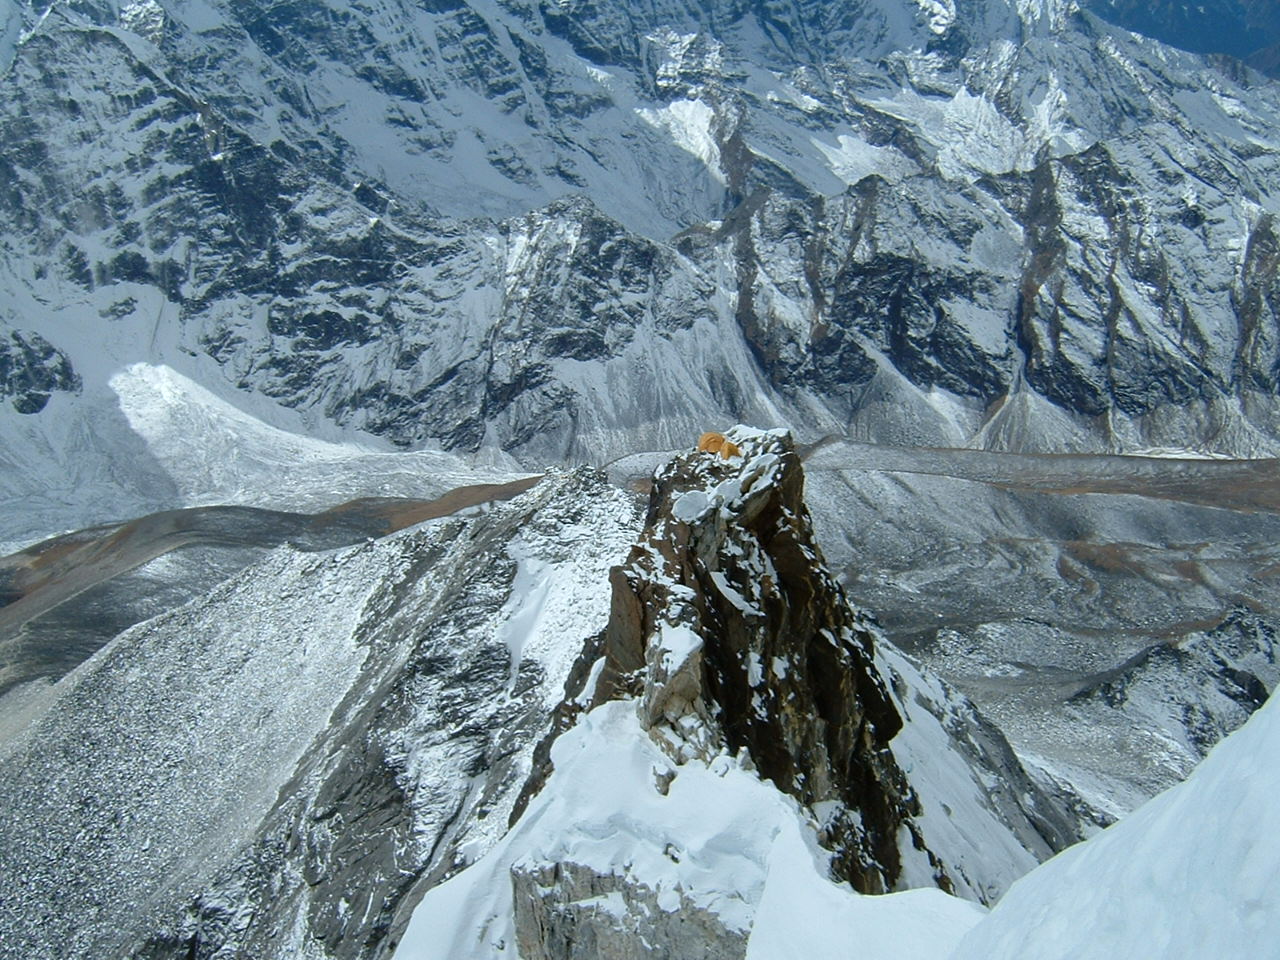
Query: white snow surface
[
  {"x": 956, "y": 818},
  {"x": 558, "y": 599},
  {"x": 149, "y": 437},
  {"x": 1192, "y": 873},
  {"x": 742, "y": 850},
  {"x": 560, "y": 595}
]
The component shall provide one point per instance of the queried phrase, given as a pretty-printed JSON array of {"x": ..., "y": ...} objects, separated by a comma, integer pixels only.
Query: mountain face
[
  {"x": 269, "y": 769},
  {"x": 574, "y": 231},
  {"x": 279, "y": 280}
]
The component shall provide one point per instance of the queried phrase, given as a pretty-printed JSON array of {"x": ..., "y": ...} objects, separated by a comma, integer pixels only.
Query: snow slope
[
  {"x": 150, "y": 438},
  {"x": 1193, "y": 873}
]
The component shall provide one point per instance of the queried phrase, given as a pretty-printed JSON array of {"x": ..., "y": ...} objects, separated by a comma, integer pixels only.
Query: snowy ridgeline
[
  {"x": 716, "y": 841},
  {"x": 443, "y": 650},
  {"x": 1190, "y": 874}
]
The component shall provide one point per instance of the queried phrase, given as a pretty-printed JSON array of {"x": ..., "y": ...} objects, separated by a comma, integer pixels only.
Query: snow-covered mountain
[
  {"x": 579, "y": 230},
  {"x": 282, "y": 766}
]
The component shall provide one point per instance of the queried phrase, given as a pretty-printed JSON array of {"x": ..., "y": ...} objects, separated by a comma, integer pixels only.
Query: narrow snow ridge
[{"x": 711, "y": 835}]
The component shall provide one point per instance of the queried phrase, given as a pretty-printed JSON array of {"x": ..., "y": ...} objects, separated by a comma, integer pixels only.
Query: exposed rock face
[
  {"x": 746, "y": 642},
  {"x": 31, "y": 369},
  {"x": 566, "y": 911},
  {"x": 734, "y": 647}
]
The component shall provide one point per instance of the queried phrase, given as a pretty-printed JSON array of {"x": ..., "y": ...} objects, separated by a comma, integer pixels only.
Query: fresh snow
[
  {"x": 560, "y": 594},
  {"x": 940, "y": 14},
  {"x": 1193, "y": 873},
  {"x": 676, "y": 644},
  {"x": 719, "y": 839}
]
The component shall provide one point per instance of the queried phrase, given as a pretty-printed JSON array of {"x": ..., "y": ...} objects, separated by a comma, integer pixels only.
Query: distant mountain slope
[{"x": 575, "y": 231}]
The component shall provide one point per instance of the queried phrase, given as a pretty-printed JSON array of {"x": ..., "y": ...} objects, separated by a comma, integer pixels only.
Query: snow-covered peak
[{"x": 623, "y": 852}]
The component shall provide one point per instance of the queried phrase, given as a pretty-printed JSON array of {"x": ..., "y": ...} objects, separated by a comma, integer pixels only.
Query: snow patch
[
  {"x": 853, "y": 158},
  {"x": 689, "y": 125},
  {"x": 940, "y": 15},
  {"x": 238, "y": 458},
  {"x": 730, "y": 593},
  {"x": 691, "y": 506},
  {"x": 676, "y": 644}
]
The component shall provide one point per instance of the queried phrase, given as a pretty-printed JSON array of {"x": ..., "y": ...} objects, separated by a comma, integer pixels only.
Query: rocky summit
[{"x": 730, "y": 653}]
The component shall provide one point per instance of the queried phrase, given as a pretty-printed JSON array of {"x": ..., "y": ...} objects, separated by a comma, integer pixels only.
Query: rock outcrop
[
  {"x": 733, "y": 635},
  {"x": 268, "y": 770},
  {"x": 31, "y": 369}
]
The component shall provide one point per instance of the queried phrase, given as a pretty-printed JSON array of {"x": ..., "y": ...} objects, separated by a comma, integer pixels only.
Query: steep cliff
[{"x": 574, "y": 231}]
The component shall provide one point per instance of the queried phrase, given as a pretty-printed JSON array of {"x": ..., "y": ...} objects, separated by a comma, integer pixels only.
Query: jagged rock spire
[{"x": 731, "y": 633}]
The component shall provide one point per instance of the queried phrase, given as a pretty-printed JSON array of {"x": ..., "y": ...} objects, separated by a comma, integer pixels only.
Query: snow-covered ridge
[
  {"x": 690, "y": 806},
  {"x": 707, "y": 843},
  {"x": 349, "y": 715}
]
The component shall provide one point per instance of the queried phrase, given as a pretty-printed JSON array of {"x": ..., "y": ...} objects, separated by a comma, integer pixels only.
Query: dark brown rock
[{"x": 748, "y": 644}]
